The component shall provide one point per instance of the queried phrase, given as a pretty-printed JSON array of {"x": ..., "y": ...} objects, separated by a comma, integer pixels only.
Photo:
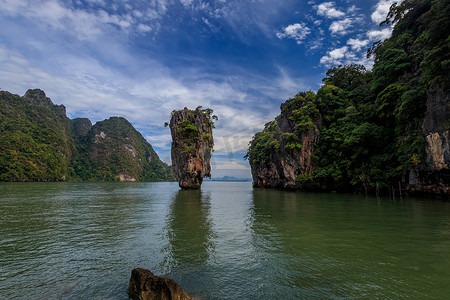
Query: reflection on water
[
  {"x": 189, "y": 229},
  {"x": 62, "y": 239},
  {"x": 352, "y": 246},
  {"x": 227, "y": 241}
]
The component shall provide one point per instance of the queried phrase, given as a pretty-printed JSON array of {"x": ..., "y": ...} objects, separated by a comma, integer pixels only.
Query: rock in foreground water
[
  {"x": 192, "y": 142},
  {"x": 144, "y": 285}
]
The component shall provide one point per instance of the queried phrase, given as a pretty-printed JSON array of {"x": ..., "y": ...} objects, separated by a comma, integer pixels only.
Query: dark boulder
[{"x": 144, "y": 285}]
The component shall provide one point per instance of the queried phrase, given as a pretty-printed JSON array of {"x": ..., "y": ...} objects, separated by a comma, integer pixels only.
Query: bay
[{"x": 227, "y": 241}]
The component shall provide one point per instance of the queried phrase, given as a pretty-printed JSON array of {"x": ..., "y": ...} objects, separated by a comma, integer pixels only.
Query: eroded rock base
[{"x": 144, "y": 285}]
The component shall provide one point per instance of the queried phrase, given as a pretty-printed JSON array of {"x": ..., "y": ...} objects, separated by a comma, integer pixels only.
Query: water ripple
[{"x": 81, "y": 240}]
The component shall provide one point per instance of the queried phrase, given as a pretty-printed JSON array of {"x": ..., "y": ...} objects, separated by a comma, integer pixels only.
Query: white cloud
[
  {"x": 297, "y": 31},
  {"x": 123, "y": 22},
  {"x": 338, "y": 53},
  {"x": 143, "y": 28},
  {"x": 381, "y": 10},
  {"x": 219, "y": 169},
  {"x": 315, "y": 44},
  {"x": 228, "y": 164},
  {"x": 353, "y": 52},
  {"x": 85, "y": 24},
  {"x": 55, "y": 16},
  {"x": 186, "y": 3},
  {"x": 341, "y": 27},
  {"x": 379, "y": 35},
  {"x": 352, "y": 9},
  {"x": 343, "y": 56},
  {"x": 328, "y": 9},
  {"x": 357, "y": 44}
]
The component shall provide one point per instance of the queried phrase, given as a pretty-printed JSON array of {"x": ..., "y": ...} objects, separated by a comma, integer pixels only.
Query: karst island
[{"x": 192, "y": 145}]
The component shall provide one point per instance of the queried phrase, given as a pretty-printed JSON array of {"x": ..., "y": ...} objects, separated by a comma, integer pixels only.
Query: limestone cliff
[
  {"x": 280, "y": 156},
  {"x": 433, "y": 175},
  {"x": 192, "y": 142}
]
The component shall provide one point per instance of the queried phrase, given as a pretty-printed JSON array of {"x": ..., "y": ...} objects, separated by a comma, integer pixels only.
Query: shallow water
[{"x": 227, "y": 241}]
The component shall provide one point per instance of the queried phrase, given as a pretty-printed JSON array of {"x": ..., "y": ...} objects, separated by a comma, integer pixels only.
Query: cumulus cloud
[
  {"x": 297, "y": 31},
  {"x": 341, "y": 27},
  {"x": 379, "y": 35},
  {"x": 328, "y": 9},
  {"x": 344, "y": 56},
  {"x": 357, "y": 44},
  {"x": 381, "y": 10},
  {"x": 378, "y": 16},
  {"x": 143, "y": 28},
  {"x": 334, "y": 57},
  {"x": 353, "y": 51},
  {"x": 84, "y": 24}
]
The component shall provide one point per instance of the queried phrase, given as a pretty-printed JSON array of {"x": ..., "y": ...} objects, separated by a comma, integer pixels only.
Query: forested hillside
[
  {"x": 378, "y": 128},
  {"x": 39, "y": 143},
  {"x": 112, "y": 149},
  {"x": 36, "y": 144}
]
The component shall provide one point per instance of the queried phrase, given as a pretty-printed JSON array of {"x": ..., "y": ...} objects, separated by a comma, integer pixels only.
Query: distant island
[
  {"x": 40, "y": 143},
  {"x": 228, "y": 178}
]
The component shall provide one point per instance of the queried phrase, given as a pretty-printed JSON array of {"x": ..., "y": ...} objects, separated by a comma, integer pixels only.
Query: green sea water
[{"x": 227, "y": 241}]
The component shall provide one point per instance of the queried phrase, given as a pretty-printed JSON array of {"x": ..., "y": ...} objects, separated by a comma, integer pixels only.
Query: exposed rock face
[
  {"x": 144, "y": 285},
  {"x": 437, "y": 149},
  {"x": 38, "y": 96},
  {"x": 433, "y": 176},
  {"x": 192, "y": 142},
  {"x": 436, "y": 127},
  {"x": 290, "y": 147}
]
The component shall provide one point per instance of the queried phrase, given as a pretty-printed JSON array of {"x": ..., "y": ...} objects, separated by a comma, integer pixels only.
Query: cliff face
[
  {"x": 436, "y": 127},
  {"x": 433, "y": 175},
  {"x": 280, "y": 156},
  {"x": 192, "y": 142},
  {"x": 40, "y": 143}
]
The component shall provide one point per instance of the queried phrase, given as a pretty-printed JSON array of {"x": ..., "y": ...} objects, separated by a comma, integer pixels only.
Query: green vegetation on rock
[
  {"x": 39, "y": 143},
  {"x": 192, "y": 144},
  {"x": 35, "y": 138},
  {"x": 372, "y": 131},
  {"x": 114, "y": 150}
]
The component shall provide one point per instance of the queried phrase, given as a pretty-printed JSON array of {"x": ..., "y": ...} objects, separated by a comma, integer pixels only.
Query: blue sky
[{"x": 142, "y": 59}]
